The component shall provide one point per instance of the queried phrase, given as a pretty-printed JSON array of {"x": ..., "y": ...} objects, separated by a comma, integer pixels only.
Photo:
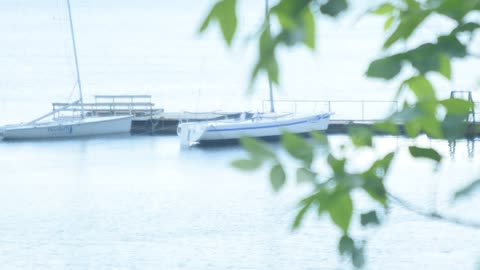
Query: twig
[{"x": 433, "y": 214}]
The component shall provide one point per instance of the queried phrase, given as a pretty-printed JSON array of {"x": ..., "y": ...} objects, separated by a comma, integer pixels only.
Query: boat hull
[
  {"x": 66, "y": 129},
  {"x": 222, "y": 131}
]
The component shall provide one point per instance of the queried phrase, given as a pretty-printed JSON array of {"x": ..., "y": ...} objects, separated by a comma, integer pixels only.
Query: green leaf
[
  {"x": 369, "y": 218},
  {"x": 286, "y": 21},
  {"x": 360, "y": 136},
  {"x": 451, "y": 46},
  {"x": 291, "y": 37},
  {"x": 432, "y": 127},
  {"x": 358, "y": 258},
  {"x": 467, "y": 190},
  {"x": 346, "y": 245},
  {"x": 429, "y": 153},
  {"x": 337, "y": 165},
  {"x": 266, "y": 45},
  {"x": 407, "y": 114},
  {"x": 385, "y": 8},
  {"x": 309, "y": 28},
  {"x": 445, "y": 66},
  {"x": 225, "y": 14},
  {"x": 386, "y": 68},
  {"x": 386, "y": 161},
  {"x": 425, "y": 58},
  {"x": 277, "y": 177},
  {"x": 334, "y": 7},
  {"x": 374, "y": 177},
  {"x": 273, "y": 70},
  {"x": 256, "y": 149},
  {"x": 422, "y": 88},
  {"x": 388, "y": 23},
  {"x": 454, "y": 10},
  {"x": 467, "y": 27},
  {"x": 408, "y": 24},
  {"x": 454, "y": 126},
  {"x": 387, "y": 127},
  {"x": 323, "y": 198},
  {"x": 211, "y": 15},
  {"x": 428, "y": 107},
  {"x": 227, "y": 18},
  {"x": 413, "y": 128},
  {"x": 292, "y": 8},
  {"x": 298, "y": 148},
  {"x": 299, "y": 217},
  {"x": 266, "y": 59},
  {"x": 320, "y": 138},
  {"x": 380, "y": 167},
  {"x": 246, "y": 164},
  {"x": 305, "y": 176},
  {"x": 341, "y": 210},
  {"x": 376, "y": 189},
  {"x": 457, "y": 106}
]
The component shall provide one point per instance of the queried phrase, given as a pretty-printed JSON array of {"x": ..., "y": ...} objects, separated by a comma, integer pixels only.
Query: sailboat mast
[
  {"x": 267, "y": 16},
  {"x": 79, "y": 82}
]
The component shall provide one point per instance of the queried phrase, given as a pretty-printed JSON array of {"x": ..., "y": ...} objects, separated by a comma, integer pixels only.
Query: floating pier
[
  {"x": 347, "y": 113},
  {"x": 167, "y": 123}
]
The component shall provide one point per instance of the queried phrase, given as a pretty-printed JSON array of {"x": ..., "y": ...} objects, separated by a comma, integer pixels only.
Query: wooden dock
[
  {"x": 165, "y": 123},
  {"x": 154, "y": 121}
]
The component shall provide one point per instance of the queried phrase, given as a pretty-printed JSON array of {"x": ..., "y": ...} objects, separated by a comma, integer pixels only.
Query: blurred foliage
[
  {"x": 295, "y": 24},
  {"x": 468, "y": 190}
]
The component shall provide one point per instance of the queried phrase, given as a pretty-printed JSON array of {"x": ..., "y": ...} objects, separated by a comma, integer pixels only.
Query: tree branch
[{"x": 433, "y": 214}]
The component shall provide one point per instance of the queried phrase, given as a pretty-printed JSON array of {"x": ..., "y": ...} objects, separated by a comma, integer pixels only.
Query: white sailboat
[
  {"x": 62, "y": 127},
  {"x": 262, "y": 125}
]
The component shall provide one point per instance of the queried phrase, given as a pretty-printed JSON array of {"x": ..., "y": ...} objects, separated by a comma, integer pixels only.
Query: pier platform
[
  {"x": 166, "y": 123},
  {"x": 347, "y": 113}
]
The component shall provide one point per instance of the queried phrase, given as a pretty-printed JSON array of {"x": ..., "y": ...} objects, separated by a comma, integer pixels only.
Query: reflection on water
[{"x": 470, "y": 146}]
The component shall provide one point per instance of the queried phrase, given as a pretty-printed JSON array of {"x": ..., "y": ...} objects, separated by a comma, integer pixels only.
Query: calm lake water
[{"x": 144, "y": 202}]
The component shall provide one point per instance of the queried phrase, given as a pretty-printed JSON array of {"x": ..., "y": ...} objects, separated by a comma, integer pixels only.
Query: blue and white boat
[
  {"x": 67, "y": 128},
  {"x": 260, "y": 126}
]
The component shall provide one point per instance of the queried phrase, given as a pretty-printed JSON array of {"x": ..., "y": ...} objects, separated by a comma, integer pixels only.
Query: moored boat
[
  {"x": 69, "y": 128},
  {"x": 260, "y": 126},
  {"x": 73, "y": 126}
]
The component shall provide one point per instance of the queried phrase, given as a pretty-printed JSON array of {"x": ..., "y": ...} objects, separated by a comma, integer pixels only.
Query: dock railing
[
  {"x": 106, "y": 105},
  {"x": 348, "y": 110},
  {"x": 343, "y": 110}
]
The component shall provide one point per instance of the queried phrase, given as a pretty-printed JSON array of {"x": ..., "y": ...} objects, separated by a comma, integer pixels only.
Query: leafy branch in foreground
[
  {"x": 332, "y": 191},
  {"x": 422, "y": 112}
]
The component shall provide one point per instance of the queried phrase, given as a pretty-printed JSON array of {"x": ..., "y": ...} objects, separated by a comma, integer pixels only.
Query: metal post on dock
[{"x": 151, "y": 120}]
